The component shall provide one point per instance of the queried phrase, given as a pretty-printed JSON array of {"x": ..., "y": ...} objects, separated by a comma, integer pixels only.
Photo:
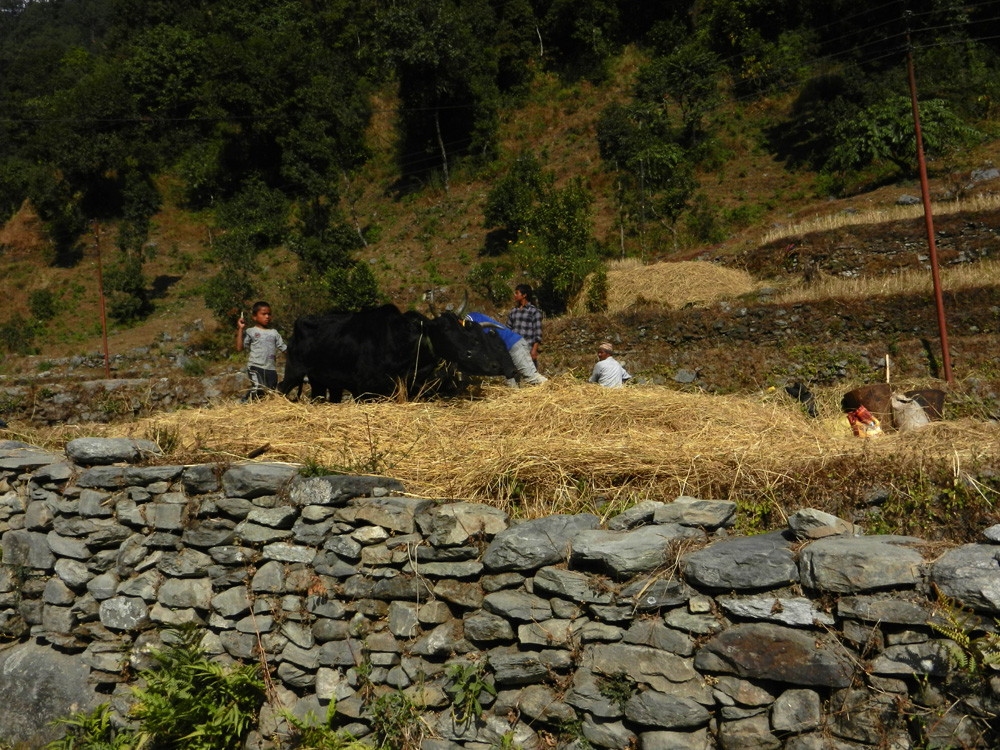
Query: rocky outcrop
[{"x": 659, "y": 631}]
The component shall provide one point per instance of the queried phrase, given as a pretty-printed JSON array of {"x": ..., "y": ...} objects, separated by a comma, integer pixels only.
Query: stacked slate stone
[{"x": 659, "y": 631}]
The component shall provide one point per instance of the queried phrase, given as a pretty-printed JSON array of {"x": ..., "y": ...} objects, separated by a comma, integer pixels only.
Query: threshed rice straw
[
  {"x": 564, "y": 446},
  {"x": 672, "y": 285}
]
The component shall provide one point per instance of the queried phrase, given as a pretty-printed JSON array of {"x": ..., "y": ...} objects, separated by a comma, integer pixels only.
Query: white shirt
[{"x": 609, "y": 373}]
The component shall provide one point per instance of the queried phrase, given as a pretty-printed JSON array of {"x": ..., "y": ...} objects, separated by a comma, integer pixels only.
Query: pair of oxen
[{"x": 375, "y": 352}]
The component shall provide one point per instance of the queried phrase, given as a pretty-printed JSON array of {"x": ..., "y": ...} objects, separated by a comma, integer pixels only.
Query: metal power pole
[{"x": 926, "y": 195}]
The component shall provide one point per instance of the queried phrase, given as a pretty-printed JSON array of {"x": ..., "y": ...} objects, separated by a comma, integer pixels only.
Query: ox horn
[{"x": 465, "y": 302}]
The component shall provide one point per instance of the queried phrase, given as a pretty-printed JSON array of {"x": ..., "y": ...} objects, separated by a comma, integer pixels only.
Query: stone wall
[{"x": 655, "y": 630}]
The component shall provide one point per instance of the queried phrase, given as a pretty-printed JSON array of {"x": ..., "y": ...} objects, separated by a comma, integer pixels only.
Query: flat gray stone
[
  {"x": 574, "y": 585},
  {"x": 289, "y": 553},
  {"x": 551, "y": 633},
  {"x": 468, "y": 595},
  {"x": 655, "y": 634},
  {"x": 851, "y": 565},
  {"x": 657, "y": 669},
  {"x": 970, "y": 574},
  {"x": 58, "y": 593},
  {"x": 743, "y": 564},
  {"x": 585, "y": 694},
  {"x": 539, "y": 703},
  {"x": 896, "y": 608},
  {"x": 518, "y": 605},
  {"x": 73, "y": 573},
  {"x": 254, "y": 533},
  {"x": 282, "y": 517},
  {"x": 532, "y": 544},
  {"x": 255, "y": 480},
  {"x": 29, "y": 549},
  {"x": 393, "y": 513},
  {"x": 796, "y": 711},
  {"x": 335, "y": 490},
  {"x": 91, "y": 451},
  {"x": 232, "y": 602},
  {"x": 37, "y": 686},
  {"x": 102, "y": 477},
  {"x": 200, "y": 479},
  {"x": 792, "y": 611},
  {"x": 445, "y": 639},
  {"x": 26, "y": 458},
  {"x": 483, "y": 627},
  {"x": 774, "y": 652},
  {"x": 610, "y": 734},
  {"x": 455, "y": 524},
  {"x": 211, "y": 532},
  {"x": 649, "y": 708},
  {"x": 124, "y": 613},
  {"x": 930, "y": 658},
  {"x": 188, "y": 563},
  {"x": 696, "y": 740},
  {"x": 810, "y": 523},
  {"x": 623, "y": 554},
  {"x": 525, "y": 668},
  {"x": 186, "y": 592},
  {"x": 753, "y": 733},
  {"x": 638, "y": 515},
  {"x": 690, "y": 511},
  {"x": 655, "y": 593}
]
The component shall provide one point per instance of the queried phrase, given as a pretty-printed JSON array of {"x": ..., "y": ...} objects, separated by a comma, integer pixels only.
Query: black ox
[{"x": 373, "y": 352}]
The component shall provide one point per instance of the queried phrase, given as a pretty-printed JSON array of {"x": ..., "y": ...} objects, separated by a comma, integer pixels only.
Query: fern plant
[
  {"x": 93, "y": 731},
  {"x": 193, "y": 702},
  {"x": 189, "y": 701},
  {"x": 975, "y": 656}
]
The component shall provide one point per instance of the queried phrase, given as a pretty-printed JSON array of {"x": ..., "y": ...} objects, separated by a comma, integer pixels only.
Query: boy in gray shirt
[{"x": 264, "y": 344}]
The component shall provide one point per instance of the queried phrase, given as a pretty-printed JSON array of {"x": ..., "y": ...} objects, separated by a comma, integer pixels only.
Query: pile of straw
[
  {"x": 561, "y": 447},
  {"x": 670, "y": 285}
]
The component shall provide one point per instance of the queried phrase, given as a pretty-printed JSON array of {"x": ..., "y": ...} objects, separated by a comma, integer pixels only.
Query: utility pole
[
  {"x": 96, "y": 228},
  {"x": 929, "y": 219}
]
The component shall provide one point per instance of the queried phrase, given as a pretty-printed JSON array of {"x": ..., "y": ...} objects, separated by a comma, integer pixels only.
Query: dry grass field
[{"x": 567, "y": 447}]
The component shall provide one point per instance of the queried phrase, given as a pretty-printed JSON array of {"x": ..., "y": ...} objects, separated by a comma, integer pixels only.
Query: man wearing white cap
[{"x": 608, "y": 372}]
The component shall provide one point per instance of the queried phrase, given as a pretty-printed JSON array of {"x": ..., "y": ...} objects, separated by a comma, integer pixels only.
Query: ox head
[{"x": 468, "y": 346}]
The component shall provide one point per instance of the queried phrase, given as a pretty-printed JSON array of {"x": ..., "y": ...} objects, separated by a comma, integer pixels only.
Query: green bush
[
  {"x": 559, "y": 250},
  {"x": 883, "y": 133},
  {"x": 93, "y": 731},
  {"x": 226, "y": 294},
  {"x": 351, "y": 289},
  {"x": 43, "y": 303},
  {"x": 492, "y": 280},
  {"x": 189, "y": 701},
  {"x": 597, "y": 292},
  {"x": 17, "y": 335}
]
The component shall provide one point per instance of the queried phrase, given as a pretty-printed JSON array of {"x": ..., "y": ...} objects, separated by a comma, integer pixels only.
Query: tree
[
  {"x": 884, "y": 133},
  {"x": 557, "y": 248},
  {"x": 255, "y": 219},
  {"x": 447, "y": 81},
  {"x": 512, "y": 199},
  {"x": 125, "y": 283},
  {"x": 688, "y": 77},
  {"x": 655, "y": 175}
]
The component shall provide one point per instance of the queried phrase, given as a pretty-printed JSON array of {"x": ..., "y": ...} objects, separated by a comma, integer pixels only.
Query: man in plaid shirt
[{"x": 526, "y": 319}]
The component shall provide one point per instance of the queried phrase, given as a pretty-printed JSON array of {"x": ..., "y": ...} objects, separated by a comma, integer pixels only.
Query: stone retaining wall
[{"x": 655, "y": 630}]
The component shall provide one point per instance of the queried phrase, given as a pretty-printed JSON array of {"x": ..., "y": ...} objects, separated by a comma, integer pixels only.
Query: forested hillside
[{"x": 330, "y": 153}]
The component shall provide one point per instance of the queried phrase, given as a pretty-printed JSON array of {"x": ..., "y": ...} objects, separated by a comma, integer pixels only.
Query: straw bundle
[
  {"x": 561, "y": 447},
  {"x": 670, "y": 285}
]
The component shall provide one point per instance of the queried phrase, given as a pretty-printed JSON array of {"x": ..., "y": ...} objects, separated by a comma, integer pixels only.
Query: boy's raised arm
[{"x": 240, "y": 326}]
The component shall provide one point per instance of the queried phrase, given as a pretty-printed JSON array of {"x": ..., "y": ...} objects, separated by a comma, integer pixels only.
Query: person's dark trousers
[{"x": 261, "y": 381}]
